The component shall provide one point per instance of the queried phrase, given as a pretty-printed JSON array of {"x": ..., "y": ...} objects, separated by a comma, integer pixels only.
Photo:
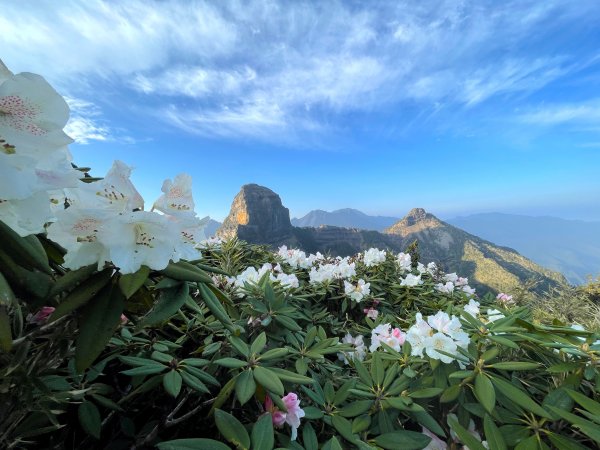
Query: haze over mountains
[
  {"x": 257, "y": 215},
  {"x": 347, "y": 218}
]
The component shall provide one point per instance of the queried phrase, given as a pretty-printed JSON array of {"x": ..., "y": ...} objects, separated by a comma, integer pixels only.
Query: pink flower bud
[{"x": 42, "y": 315}]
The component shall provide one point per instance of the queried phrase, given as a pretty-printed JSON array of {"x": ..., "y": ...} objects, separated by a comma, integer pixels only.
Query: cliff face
[{"x": 257, "y": 215}]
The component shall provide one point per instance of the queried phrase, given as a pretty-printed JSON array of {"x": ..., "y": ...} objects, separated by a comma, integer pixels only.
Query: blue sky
[{"x": 457, "y": 107}]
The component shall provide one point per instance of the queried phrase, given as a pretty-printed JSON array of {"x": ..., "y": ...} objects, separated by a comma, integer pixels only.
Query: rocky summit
[{"x": 258, "y": 216}]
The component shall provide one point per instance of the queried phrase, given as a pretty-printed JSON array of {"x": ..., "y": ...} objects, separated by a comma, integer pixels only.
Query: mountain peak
[
  {"x": 256, "y": 215},
  {"x": 416, "y": 220}
]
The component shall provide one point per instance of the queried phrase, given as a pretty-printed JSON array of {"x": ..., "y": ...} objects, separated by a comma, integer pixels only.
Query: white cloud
[
  {"x": 556, "y": 114},
  {"x": 85, "y": 123},
  {"x": 258, "y": 68}
]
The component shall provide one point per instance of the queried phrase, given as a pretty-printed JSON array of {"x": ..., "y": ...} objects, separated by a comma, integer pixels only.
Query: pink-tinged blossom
[
  {"x": 384, "y": 333},
  {"x": 42, "y": 315},
  {"x": 124, "y": 319},
  {"x": 505, "y": 299},
  {"x": 371, "y": 313},
  {"x": 293, "y": 415}
]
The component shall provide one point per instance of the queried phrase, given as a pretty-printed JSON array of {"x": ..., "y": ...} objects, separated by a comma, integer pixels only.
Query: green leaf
[
  {"x": 361, "y": 423},
  {"x": 363, "y": 373},
  {"x": 89, "y": 418},
  {"x": 194, "y": 382},
  {"x": 131, "y": 282},
  {"x": 450, "y": 394},
  {"x": 564, "y": 443},
  {"x": 292, "y": 377},
  {"x": 332, "y": 444},
  {"x": 231, "y": 363},
  {"x": 309, "y": 437},
  {"x": 99, "y": 319},
  {"x": 245, "y": 386},
  {"x": 356, "y": 408},
  {"x": 344, "y": 427},
  {"x": 377, "y": 370},
  {"x": 268, "y": 379},
  {"x": 214, "y": 305},
  {"x": 7, "y": 297},
  {"x": 172, "y": 383},
  {"x": 589, "y": 404},
  {"x": 273, "y": 353},
  {"x": 169, "y": 302},
  {"x": 485, "y": 393},
  {"x": 403, "y": 439},
  {"x": 106, "y": 402},
  {"x": 465, "y": 436},
  {"x": 287, "y": 322},
  {"x": 232, "y": 429},
  {"x": 589, "y": 428},
  {"x": 24, "y": 251},
  {"x": 426, "y": 393},
  {"x": 192, "y": 444},
  {"x": 262, "y": 433},
  {"x": 259, "y": 343},
  {"x": 492, "y": 434},
  {"x": 242, "y": 348},
  {"x": 82, "y": 294},
  {"x": 144, "y": 370},
  {"x": 515, "y": 365},
  {"x": 426, "y": 420},
  {"x": 185, "y": 271},
  {"x": 519, "y": 397}
]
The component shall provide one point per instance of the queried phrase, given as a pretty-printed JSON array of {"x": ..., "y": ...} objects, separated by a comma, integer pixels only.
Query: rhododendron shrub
[{"x": 125, "y": 328}]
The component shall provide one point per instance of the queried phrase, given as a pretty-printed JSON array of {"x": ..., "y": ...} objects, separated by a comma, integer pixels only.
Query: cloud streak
[{"x": 262, "y": 69}]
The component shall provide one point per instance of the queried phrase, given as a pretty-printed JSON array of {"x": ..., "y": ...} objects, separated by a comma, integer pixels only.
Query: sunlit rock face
[{"x": 257, "y": 215}]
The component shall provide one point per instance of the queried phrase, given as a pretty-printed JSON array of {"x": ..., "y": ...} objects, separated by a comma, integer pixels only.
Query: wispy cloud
[
  {"x": 85, "y": 123},
  {"x": 261, "y": 68},
  {"x": 573, "y": 113}
]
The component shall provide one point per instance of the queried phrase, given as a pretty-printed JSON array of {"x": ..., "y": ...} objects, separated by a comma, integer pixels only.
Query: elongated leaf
[
  {"x": 169, "y": 302},
  {"x": 403, "y": 439},
  {"x": 426, "y": 393},
  {"x": 287, "y": 322},
  {"x": 232, "y": 363},
  {"x": 262, "y": 433},
  {"x": 184, "y": 271},
  {"x": 82, "y": 294},
  {"x": 485, "y": 393},
  {"x": 245, "y": 386},
  {"x": 194, "y": 382},
  {"x": 464, "y": 435},
  {"x": 515, "y": 365},
  {"x": 589, "y": 404},
  {"x": 89, "y": 418},
  {"x": 274, "y": 353},
  {"x": 268, "y": 379},
  {"x": 172, "y": 382},
  {"x": 98, "y": 322},
  {"x": 7, "y": 297},
  {"x": 192, "y": 444},
  {"x": 292, "y": 377},
  {"x": 71, "y": 279},
  {"x": 23, "y": 250},
  {"x": 214, "y": 305},
  {"x": 144, "y": 370},
  {"x": 356, "y": 408},
  {"x": 519, "y": 397},
  {"x": 131, "y": 282},
  {"x": 344, "y": 427},
  {"x": 232, "y": 429},
  {"x": 492, "y": 434},
  {"x": 591, "y": 429},
  {"x": 259, "y": 343}
]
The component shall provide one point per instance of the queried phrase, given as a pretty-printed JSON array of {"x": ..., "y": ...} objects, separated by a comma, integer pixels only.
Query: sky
[{"x": 458, "y": 107}]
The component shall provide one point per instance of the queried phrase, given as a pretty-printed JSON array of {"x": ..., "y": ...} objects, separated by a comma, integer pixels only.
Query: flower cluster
[
  {"x": 252, "y": 276},
  {"x": 393, "y": 337},
  {"x": 404, "y": 261},
  {"x": 505, "y": 299},
  {"x": 360, "y": 349},
  {"x": 357, "y": 292},
  {"x": 297, "y": 259},
  {"x": 34, "y": 158},
  {"x": 439, "y": 333},
  {"x": 338, "y": 270},
  {"x": 373, "y": 257},
  {"x": 105, "y": 222}
]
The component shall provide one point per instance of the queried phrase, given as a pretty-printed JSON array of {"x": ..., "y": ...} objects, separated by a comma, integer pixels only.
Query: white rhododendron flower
[
  {"x": 393, "y": 337},
  {"x": 451, "y": 277},
  {"x": 27, "y": 216},
  {"x": 431, "y": 268},
  {"x": 411, "y": 280},
  {"x": 340, "y": 269},
  {"x": 357, "y": 292},
  {"x": 286, "y": 281},
  {"x": 404, "y": 261},
  {"x": 176, "y": 199},
  {"x": 76, "y": 230},
  {"x": 373, "y": 257},
  {"x": 297, "y": 258},
  {"x": 439, "y": 332},
  {"x": 461, "y": 282},
  {"x": 468, "y": 290},
  {"x": 32, "y": 116},
  {"x": 211, "y": 242},
  {"x": 472, "y": 308},
  {"x": 359, "y": 352},
  {"x": 140, "y": 238},
  {"x": 436, "y": 443},
  {"x": 447, "y": 288}
]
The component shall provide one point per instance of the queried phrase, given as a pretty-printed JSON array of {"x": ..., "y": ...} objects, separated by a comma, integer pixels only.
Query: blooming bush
[{"x": 123, "y": 328}]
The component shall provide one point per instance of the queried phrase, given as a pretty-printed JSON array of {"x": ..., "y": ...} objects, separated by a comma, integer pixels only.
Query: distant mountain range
[
  {"x": 257, "y": 215},
  {"x": 347, "y": 218},
  {"x": 571, "y": 247}
]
